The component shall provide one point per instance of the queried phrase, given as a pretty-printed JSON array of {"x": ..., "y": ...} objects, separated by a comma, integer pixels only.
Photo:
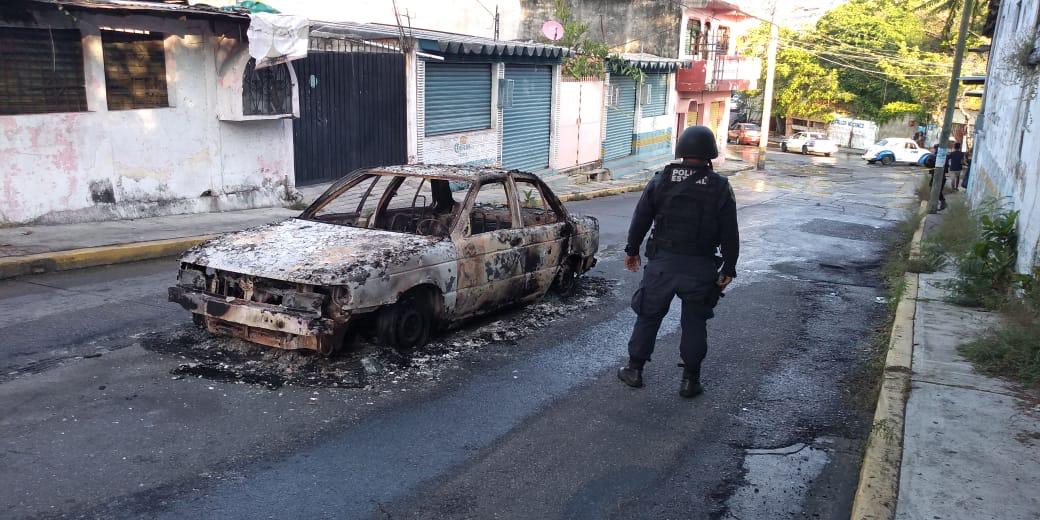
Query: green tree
[
  {"x": 591, "y": 57},
  {"x": 803, "y": 87},
  {"x": 948, "y": 12}
]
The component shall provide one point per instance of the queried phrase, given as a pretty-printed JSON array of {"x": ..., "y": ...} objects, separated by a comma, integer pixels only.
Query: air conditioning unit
[{"x": 505, "y": 93}]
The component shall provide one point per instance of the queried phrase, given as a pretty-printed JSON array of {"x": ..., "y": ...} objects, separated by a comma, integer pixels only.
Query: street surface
[{"x": 112, "y": 405}]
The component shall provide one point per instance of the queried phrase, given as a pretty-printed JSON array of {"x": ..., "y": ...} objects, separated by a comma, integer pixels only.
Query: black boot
[
  {"x": 632, "y": 373},
  {"x": 691, "y": 383}
]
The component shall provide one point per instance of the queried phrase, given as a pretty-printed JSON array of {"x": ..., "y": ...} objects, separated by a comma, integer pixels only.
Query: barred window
[
  {"x": 266, "y": 91},
  {"x": 41, "y": 71},
  {"x": 135, "y": 70}
]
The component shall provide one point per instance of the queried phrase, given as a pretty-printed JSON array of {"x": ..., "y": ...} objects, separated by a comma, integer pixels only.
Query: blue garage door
[
  {"x": 458, "y": 97},
  {"x": 526, "y": 123},
  {"x": 620, "y": 118}
]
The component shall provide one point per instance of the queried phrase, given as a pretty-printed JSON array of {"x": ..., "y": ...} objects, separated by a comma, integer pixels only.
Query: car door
[
  {"x": 911, "y": 153},
  {"x": 489, "y": 241},
  {"x": 796, "y": 142},
  {"x": 547, "y": 230}
]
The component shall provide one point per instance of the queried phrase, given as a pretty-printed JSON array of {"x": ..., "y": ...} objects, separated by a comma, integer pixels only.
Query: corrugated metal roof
[
  {"x": 176, "y": 7},
  {"x": 651, "y": 62},
  {"x": 439, "y": 41}
]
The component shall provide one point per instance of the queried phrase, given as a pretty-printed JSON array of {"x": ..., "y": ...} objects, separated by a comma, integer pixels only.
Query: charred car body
[{"x": 396, "y": 250}]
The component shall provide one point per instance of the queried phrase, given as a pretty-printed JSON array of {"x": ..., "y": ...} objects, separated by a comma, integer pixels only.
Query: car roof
[{"x": 451, "y": 172}]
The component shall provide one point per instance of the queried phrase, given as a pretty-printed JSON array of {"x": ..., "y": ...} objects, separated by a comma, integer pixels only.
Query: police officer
[{"x": 694, "y": 217}]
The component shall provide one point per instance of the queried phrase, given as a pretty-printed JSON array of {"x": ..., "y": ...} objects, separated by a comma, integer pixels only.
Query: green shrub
[
  {"x": 924, "y": 189},
  {"x": 1012, "y": 350},
  {"x": 958, "y": 230},
  {"x": 985, "y": 272},
  {"x": 931, "y": 259},
  {"x": 896, "y": 262}
]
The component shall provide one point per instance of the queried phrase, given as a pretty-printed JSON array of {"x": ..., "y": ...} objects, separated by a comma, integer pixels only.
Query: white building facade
[
  {"x": 1006, "y": 155},
  {"x": 141, "y": 112}
]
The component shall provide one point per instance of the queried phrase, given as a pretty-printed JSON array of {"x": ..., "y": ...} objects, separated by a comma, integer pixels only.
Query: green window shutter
[{"x": 458, "y": 97}]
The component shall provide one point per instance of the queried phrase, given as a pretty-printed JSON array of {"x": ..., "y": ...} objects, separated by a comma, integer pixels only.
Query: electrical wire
[
  {"x": 869, "y": 71},
  {"x": 860, "y": 53},
  {"x": 866, "y": 57}
]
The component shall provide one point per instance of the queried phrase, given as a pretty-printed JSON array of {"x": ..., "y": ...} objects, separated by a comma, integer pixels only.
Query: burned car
[{"x": 394, "y": 252}]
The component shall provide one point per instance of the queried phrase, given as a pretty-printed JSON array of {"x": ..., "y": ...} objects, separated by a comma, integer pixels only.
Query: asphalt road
[{"x": 93, "y": 423}]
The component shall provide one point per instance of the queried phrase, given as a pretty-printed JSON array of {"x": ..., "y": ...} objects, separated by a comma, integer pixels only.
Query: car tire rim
[{"x": 410, "y": 327}]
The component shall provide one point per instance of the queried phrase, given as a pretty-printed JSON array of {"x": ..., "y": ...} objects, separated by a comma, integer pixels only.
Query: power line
[
  {"x": 869, "y": 71},
  {"x": 484, "y": 6},
  {"x": 852, "y": 49},
  {"x": 861, "y": 56}
]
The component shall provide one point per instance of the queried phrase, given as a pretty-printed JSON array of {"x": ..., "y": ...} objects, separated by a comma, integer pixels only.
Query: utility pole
[
  {"x": 951, "y": 101},
  {"x": 767, "y": 99},
  {"x": 496, "y": 22}
]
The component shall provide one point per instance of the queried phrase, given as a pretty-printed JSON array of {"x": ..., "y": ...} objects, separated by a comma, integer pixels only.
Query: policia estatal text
[{"x": 694, "y": 217}]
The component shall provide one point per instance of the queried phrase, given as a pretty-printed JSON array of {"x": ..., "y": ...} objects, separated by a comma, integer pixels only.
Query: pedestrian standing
[
  {"x": 694, "y": 217},
  {"x": 956, "y": 163}
]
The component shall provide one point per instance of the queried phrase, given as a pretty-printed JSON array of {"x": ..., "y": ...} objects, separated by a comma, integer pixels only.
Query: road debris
[{"x": 232, "y": 360}]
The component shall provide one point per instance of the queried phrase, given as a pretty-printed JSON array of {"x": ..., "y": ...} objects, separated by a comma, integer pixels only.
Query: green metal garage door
[
  {"x": 526, "y": 122},
  {"x": 620, "y": 118}
]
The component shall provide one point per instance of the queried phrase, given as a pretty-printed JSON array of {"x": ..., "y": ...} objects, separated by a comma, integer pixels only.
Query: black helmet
[{"x": 697, "y": 142}]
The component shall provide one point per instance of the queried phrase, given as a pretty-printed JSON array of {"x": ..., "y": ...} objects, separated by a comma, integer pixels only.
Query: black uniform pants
[{"x": 661, "y": 284}]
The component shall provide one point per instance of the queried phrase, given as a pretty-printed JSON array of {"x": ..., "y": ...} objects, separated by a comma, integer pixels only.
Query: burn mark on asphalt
[
  {"x": 232, "y": 360},
  {"x": 839, "y": 229}
]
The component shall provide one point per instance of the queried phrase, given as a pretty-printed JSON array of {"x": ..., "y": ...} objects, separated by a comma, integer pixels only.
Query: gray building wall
[{"x": 650, "y": 26}]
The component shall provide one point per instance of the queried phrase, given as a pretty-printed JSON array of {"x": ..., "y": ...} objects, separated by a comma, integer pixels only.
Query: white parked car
[
  {"x": 809, "y": 142},
  {"x": 895, "y": 149}
]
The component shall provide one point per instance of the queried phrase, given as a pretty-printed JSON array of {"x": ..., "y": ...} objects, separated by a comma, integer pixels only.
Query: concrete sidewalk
[
  {"x": 971, "y": 443},
  {"x": 948, "y": 442},
  {"x": 36, "y": 249}
]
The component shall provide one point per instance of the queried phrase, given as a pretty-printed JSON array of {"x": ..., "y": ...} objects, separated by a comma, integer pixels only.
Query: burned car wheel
[
  {"x": 566, "y": 281},
  {"x": 408, "y": 323}
]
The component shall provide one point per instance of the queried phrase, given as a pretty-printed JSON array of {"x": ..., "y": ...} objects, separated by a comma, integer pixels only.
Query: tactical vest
[{"x": 687, "y": 200}]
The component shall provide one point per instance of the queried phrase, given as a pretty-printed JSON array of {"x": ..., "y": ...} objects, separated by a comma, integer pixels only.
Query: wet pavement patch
[
  {"x": 233, "y": 360},
  {"x": 776, "y": 481},
  {"x": 836, "y": 271},
  {"x": 839, "y": 229}
]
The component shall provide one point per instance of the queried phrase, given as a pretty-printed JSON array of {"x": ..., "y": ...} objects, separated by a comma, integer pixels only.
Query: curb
[
  {"x": 95, "y": 256},
  {"x": 637, "y": 186},
  {"x": 40, "y": 263},
  {"x": 605, "y": 192},
  {"x": 878, "y": 488}
]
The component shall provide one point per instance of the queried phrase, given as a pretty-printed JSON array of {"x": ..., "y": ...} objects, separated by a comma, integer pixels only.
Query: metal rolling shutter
[
  {"x": 526, "y": 124},
  {"x": 620, "y": 118},
  {"x": 658, "y": 95},
  {"x": 458, "y": 97}
]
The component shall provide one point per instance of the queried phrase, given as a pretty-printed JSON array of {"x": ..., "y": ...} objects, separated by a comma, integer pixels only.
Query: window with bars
[
  {"x": 41, "y": 71},
  {"x": 693, "y": 37},
  {"x": 266, "y": 91},
  {"x": 135, "y": 70}
]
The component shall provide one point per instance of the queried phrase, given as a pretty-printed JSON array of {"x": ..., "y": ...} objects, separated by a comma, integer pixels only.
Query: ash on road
[{"x": 112, "y": 406}]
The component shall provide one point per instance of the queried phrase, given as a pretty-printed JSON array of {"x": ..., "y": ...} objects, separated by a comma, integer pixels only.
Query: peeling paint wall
[
  {"x": 102, "y": 164},
  {"x": 478, "y": 148},
  {"x": 1006, "y": 163}
]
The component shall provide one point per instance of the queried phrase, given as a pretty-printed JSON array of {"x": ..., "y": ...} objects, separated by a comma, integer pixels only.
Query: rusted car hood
[{"x": 318, "y": 253}]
